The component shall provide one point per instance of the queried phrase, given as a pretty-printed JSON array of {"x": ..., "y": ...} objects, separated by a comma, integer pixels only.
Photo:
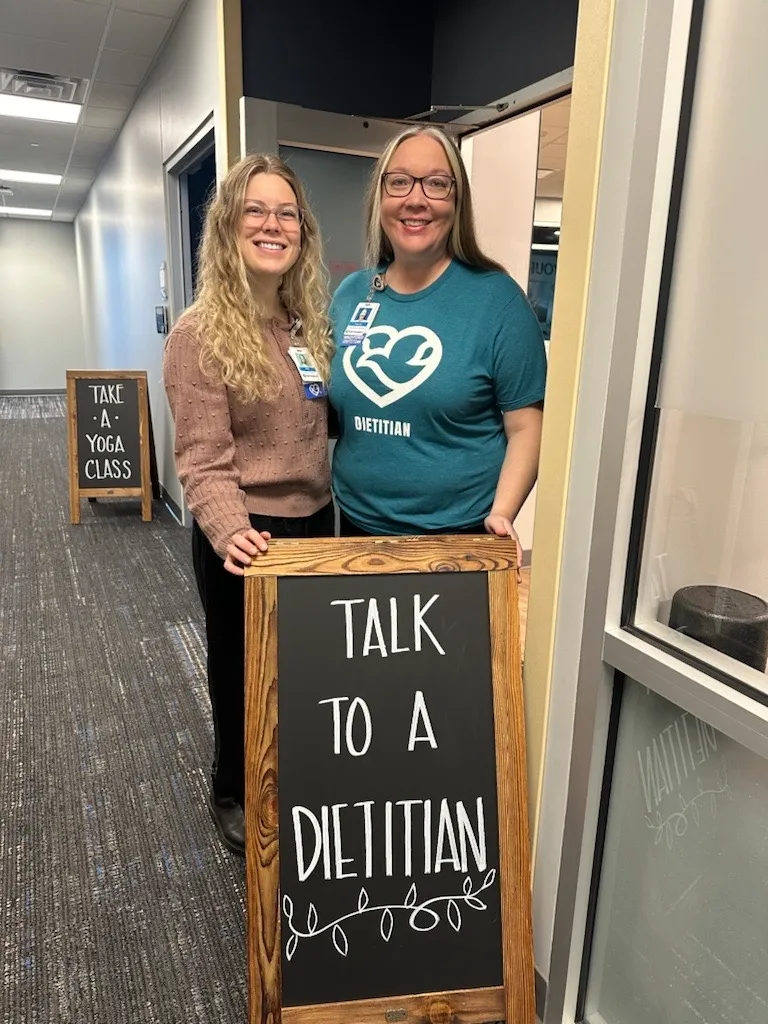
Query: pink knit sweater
[{"x": 234, "y": 458}]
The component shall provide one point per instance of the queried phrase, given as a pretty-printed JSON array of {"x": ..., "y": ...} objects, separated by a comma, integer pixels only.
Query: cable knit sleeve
[{"x": 204, "y": 446}]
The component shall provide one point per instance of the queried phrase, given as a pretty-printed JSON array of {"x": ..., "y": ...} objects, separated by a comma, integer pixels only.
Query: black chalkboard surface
[
  {"x": 388, "y": 810},
  {"x": 108, "y": 444}
]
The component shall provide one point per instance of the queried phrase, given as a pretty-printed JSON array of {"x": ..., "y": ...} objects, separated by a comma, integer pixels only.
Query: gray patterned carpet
[{"x": 117, "y": 903}]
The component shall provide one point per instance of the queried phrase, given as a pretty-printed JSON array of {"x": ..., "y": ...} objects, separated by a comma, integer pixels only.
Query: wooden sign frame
[
  {"x": 76, "y": 492},
  {"x": 513, "y": 1001}
]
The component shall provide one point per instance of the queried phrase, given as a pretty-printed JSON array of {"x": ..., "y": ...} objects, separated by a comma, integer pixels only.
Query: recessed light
[
  {"x": 39, "y": 110},
  {"x": 30, "y": 177},
  {"x": 35, "y": 145},
  {"x": 24, "y": 211}
]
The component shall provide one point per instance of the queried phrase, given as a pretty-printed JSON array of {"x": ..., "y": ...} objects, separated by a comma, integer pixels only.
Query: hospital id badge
[
  {"x": 362, "y": 320},
  {"x": 303, "y": 363}
]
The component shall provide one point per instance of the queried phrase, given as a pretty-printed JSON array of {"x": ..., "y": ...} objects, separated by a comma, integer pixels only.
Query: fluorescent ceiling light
[
  {"x": 30, "y": 177},
  {"x": 39, "y": 110},
  {"x": 24, "y": 211}
]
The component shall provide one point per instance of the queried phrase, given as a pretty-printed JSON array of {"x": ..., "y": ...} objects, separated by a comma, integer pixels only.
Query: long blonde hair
[
  {"x": 230, "y": 321},
  {"x": 462, "y": 241}
]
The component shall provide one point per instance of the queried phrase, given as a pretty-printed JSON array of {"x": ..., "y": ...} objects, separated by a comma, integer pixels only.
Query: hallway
[{"x": 118, "y": 902}]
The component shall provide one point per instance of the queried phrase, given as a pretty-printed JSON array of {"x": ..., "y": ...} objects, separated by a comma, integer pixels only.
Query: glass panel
[
  {"x": 541, "y": 283},
  {"x": 682, "y": 919},
  {"x": 337, "y": 183},
  {"x": 704, "y": 578}
]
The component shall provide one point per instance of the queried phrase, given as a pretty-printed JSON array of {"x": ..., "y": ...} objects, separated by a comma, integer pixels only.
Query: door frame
[
  {"x": 199, "y": 144},
  {"x": 178, "y": 276}
]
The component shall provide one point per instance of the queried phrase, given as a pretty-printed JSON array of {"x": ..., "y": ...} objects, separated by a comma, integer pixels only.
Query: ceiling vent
[{"x": 37, "y": 85}]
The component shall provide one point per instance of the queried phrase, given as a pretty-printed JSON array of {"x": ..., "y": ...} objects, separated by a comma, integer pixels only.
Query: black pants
[
  {"x": 222, "y": 595},
  {"x": 349, "y": 529}
]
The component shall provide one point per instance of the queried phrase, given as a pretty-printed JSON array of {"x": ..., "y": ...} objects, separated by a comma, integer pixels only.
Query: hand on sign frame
[
  {"x": 501, "y": 526},
  {"x": 242, "y": 547}
]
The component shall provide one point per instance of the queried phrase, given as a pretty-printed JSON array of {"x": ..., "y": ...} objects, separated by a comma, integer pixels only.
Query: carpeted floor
[{"x": 117, "y": 903}]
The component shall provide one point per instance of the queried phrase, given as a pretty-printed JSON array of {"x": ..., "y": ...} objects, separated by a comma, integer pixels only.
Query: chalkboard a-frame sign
[
  {"x": 108, "y": 430},
  {"x": 390, "y": 881}
]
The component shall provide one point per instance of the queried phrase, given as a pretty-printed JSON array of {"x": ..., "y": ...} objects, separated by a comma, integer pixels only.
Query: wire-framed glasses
[
  {"x": 289, "y": 216},
  {"x": 435, "y": 186}
]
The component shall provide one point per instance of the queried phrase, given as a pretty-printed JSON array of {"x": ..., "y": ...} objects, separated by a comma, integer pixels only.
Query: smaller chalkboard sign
[
  {"x": 390, "y": 881},
  {"x": 108, "y": 420}
]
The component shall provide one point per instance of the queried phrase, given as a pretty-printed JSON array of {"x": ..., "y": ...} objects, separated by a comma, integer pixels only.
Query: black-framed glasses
[
  {"x": 289, "y": 216},
  {"x": 434, "y": 186}
]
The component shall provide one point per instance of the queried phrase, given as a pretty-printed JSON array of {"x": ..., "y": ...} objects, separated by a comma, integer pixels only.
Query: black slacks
[{"x": 222, "y": 596}]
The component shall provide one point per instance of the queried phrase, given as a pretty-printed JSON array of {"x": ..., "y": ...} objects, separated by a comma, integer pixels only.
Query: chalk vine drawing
[
  {"x": 676, "y": 824},
  {"x": 422, "y": 917}
]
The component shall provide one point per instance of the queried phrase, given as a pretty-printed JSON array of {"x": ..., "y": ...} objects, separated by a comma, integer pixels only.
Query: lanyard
[{"x": 378, "y": 284}]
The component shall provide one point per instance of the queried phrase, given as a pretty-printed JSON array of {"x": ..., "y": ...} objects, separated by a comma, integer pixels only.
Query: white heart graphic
[{"x": 427, "y": 356}]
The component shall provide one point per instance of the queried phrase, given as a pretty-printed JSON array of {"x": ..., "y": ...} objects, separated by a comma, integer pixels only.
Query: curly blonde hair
[
  {"x": 230, "y": 321},
  {"x": 462, "y": 241}
]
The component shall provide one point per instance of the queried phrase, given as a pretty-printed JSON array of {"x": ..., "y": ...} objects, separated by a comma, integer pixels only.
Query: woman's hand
[
  {"x": 242, "y": 547},
  {"x": 501, "y": 526}
]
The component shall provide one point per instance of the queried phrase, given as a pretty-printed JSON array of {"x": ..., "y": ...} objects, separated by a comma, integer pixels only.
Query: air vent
[{"x": 40, "y": 86}]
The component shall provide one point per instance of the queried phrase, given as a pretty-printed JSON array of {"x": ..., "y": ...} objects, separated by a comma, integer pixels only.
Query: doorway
[
  {"x": 190, "y": 180},
  {"x": 197, "y": 185}
]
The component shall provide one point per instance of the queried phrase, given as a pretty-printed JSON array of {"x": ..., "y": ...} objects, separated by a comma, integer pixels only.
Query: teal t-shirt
[{"x": 420, "y": 402}]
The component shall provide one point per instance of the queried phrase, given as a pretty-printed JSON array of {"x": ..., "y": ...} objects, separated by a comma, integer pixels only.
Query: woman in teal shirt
[{"x": 438, "y": 377}]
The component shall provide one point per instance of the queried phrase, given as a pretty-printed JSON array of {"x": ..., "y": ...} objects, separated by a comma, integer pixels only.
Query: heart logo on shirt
[{"x": 427, "y": 358}]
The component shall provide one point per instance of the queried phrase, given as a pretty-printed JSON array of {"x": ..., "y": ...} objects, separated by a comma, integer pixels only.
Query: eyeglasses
[
  {"x": 434, "y": 186},
  {"x": 288, "y": 216}
]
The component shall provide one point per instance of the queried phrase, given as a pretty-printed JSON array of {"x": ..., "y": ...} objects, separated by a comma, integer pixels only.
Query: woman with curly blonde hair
[{"x": 244, "y": 372}]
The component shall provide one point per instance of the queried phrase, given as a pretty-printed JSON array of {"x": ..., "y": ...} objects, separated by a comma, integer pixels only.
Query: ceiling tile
[
  {"x": 553, "y": 156},
  {"x": 106, "y": 94},
  {"x": 103, "y": 117},
  {"x": 83, "y": 165},
  {"x": 63, "y": 21},
  {"x": 67, "y": 194},
  {"x": 96, "y": 135},
  {"x": 40, "y": 196},
  {"x": 19, "y": 156},
  {"x": 89, "y": 151},
  {"x": 550, "y": 134},
  {"x": 551, "y": 187},
  {"x": 137, "y": 33},
  {"x": 557, "y": 115},
  {"x": 163, "y": 8},
  {"x": 78, "y": 182},
  {"x": 72, "y": 60},
  {"x": 122, "y": 68},
  {"x": 37, "y": 131}
]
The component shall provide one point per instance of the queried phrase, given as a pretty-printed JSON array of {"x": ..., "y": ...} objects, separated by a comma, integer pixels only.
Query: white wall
[
  {"x": 41, "y": 326},
  {"x": 502, "y": 164},
  {"x": 709, "y": 506},
  {"x": 548, "y": 211},
  {"x": 121, "y": 229}
]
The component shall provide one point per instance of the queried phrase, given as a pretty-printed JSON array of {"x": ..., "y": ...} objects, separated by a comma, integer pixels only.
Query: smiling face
[
  {"x": 418, "y": 227},
  {"x": 270, "y": 244}
]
